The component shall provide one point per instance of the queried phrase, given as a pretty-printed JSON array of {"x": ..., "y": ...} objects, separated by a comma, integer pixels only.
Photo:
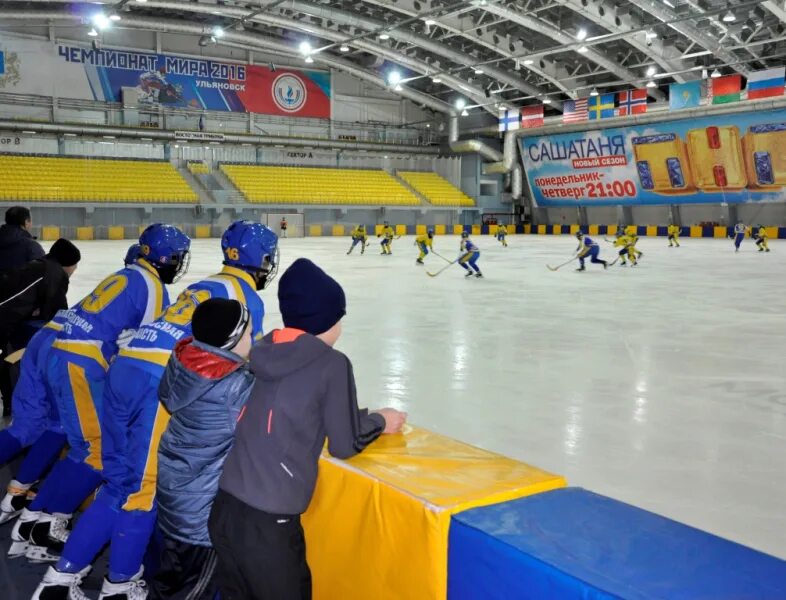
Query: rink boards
[{"x": 422, "y": 516}]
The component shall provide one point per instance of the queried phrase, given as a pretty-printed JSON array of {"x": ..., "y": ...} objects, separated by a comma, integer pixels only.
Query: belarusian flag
[{"x": 725, "y": 89}]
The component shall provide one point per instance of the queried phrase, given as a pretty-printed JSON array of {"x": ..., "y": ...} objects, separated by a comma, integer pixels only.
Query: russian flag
[{"x": 766, "y": 83}]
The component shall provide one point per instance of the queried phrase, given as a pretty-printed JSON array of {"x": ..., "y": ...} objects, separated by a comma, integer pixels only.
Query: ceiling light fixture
[
  {"x": 114, "y": 17},
  {"x": 583, "y": 49},
  {"x": 344, "y": 48},
  {"x": 398, "y": 87},
  {"x": 461, "y": 103},
  {"x": 581, "y": 35},
  {"x": 92, "y": 32},
  {"x": 594, "y": 92},
  {"x": 651, "y": 71},
  {"x": 430, "y": 22},
  {"x": 716, "y": 74},
  {"x": 305, "y": 48},
  {"x": 394, "y": 77},
  {"x": 528, "y": 61},
  {"x": 309, "y": 60},
  {"x": 141, "y": 1},
  {"x": 704, "y": 74},
  {"x": 651, "y": 84},
  {"x": 729, "y": 17},
  {"x": 546, "y": 100},
  {"x": 384, "y": 36},
  {"x": 464, "y": 113},
  {"x": 651, "y": 35},
  {"x": 101, "y": 21},
  {"x": 436, "y": 80},
  {"x": 218, "y": 32},
  {"x": 478, "y": 71}
]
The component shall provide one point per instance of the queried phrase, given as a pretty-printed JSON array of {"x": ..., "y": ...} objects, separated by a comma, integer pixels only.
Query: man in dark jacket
[
  {"x": 17, "y": 244},
  {"x": 36, "y": 290},
  {"x": 304, "y": 393},
  {"x": 206, "y": 385}
]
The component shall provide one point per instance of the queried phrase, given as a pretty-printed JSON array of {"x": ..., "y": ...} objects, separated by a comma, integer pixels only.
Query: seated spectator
[
  {"x": 304, "y": 393},
  {"x": 17, "y": 244},
  {"x": 205, "y": 387}
]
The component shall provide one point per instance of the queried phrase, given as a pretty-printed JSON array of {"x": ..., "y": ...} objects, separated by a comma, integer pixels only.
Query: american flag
[
  {"x": 631, "y": 102},
  {"x": 574, "y": 111}
]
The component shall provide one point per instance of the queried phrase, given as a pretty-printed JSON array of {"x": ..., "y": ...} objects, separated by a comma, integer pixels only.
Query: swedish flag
[{"x": 601, "y": 107}]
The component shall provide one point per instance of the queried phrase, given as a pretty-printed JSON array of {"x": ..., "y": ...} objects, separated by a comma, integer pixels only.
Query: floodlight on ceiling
[
  {"x": 141, "y": 1},
  {"x": 594, "y": 92},
  {"x": 114, "y": 17},
  {"x": 436, "y": 80},
  {"x": 651, "y": 70},
  {"x": 651, "y": 35},
  {"x": 715, "y": 74},
  {"x": 583, "y": 49},
  {"x": 394, "y": 77},
  {"x": 460, "y": 104},
  {"x": 309, "y": 60},
  {"x": 528, "y": 61},
  {"x": 384, "y": 36},
  {"x": 218, "y": 32},
  {"x": 430, "y": 22},
  {"x": 101, "y": 21},
  {"x": 704, "y": 74},
  {"x": 464, "y": 113},
  {"x": 581, "y": 35},
  {"x": 478, "y": 71},
  {"x": 92, "y": 32},
  {"x": 344, "y": 48},
  {"x": 729, "y": 17},
  {"x": 305, "y": 48},
  {"x": 398, "y": 87},
  {"x": 546, "y": 100},
  {"x": 651, "y": 84}
]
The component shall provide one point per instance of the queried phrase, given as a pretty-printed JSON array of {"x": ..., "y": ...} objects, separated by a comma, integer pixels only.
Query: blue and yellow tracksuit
[
  {"x": 424, "y": 242},
  {"x": 502, "y": 234},
  {"x": 761, "y": 239},
  {"x": 36, "y": 422},
  {"x": 625, "y": 243},
  {"x": 76, "y": 371},
  {"x": 739, "y": 234},
  {"x": 469, "y": 256},
  {"x": 674, "y": 235},
  {"x": 588, "y": 247},
  {"x": 359, "y": 236},
  {"x": 132, "y": 424},
  {"x": 388, "y": 233}
]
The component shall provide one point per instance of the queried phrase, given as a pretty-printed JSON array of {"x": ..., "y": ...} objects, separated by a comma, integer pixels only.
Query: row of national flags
[{"x": 721, "y": 90}]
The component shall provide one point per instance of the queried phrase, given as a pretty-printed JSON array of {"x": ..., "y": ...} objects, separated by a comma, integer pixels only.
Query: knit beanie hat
[
  {"x": 220, "y": 322},
  {"x": 309, "y": 298},
  {"x": 65, "y": 253}
]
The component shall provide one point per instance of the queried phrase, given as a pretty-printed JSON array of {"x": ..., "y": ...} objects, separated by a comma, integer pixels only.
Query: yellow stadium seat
[{"x": 437, "y": 190}]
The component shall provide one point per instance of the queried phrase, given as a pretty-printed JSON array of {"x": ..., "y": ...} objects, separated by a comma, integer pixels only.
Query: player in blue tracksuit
[
  {"x": 35, "y": 412},
  {"x": 76, "y": 371},
  {"x": 739, "y": 235},
  {"x": 469, "y": 256},
  {"x": 124, "y": 511},
  {"x": 588, "y": 247}
]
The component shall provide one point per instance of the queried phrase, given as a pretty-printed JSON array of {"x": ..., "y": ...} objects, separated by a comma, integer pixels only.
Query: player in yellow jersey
[
  {"x": 634, "y": 253},
  {"x": 623, "y": 242},
  {"x": 502, "y": 234},
  {"x": 761, "y": 238},
  {"x": 359, "y": 236},
  {"x": 387, "y": 235},
  {"x": 674, "y": 235},
  {"x": 424, "y": 242}
]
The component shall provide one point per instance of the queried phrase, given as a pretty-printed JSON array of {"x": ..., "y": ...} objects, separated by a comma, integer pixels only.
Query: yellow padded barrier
[
  {"x": 141, "y": 229},
  {"x": 695, "y": 231},
  {"x": 85, "y": 233},
  {"x": 439, "y": 229},
  {"x": 719, "y": 232},
  {"x": 574, "y": 228},
  {"x": 379, "y": 521},
  {"x": 306, "y": 185},
  {"x": 202, "y": 231},
  {"x": 401, "y": 230},
  {"x": 338, "y": 230},
  {"x": 527, "y": 228},
  {"x": 378, "y": 229},
  {"x": 556, "y": 229},
  {"x": 612, "y": 230},
  {"x": 116, "y": 232},
  {"x": 541, "y": 230},
  {"x": 652, "y": 230},
  {"x": 493, "y": 229},
  {"x": 772, "y": 232},
  {"x": 315, "y": 230},
  {"x": 437, "y": 190},
  {"x": 50, "y": 233},
  {"x": 476, "y": 230},
  {"x": 420, "y": 230},
  {"x": 594, "y": 230},
  {"x": 458, "y": 229}
]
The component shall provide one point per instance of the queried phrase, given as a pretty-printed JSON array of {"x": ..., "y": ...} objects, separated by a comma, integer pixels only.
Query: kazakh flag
[
  {"x": 684, "y": 95},
  {"x": 601, "y": 107}
]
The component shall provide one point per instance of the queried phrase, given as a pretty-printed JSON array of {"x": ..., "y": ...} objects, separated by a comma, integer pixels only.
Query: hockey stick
[
  {"x": 442, "y": 269},
  {"x": 442, "y": 257},
  {"x": 550, "y": 268}
]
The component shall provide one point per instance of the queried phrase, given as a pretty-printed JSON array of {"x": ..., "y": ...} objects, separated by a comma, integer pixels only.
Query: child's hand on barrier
[{"x": 394, "y": 419}]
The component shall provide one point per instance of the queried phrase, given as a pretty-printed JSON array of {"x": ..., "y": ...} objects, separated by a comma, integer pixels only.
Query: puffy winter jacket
[
  {"x": 205, "y": 389},
  {"x": 17, "y": 247}
]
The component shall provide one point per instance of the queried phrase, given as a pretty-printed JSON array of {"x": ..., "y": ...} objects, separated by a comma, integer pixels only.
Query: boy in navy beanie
[{"x": 304, "y": 393}]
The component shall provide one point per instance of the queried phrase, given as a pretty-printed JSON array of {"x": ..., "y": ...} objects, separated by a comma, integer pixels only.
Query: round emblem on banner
[{"x": 289, "y": 92}]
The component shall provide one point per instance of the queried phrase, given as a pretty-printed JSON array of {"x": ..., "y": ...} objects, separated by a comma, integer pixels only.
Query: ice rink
[{"x": 660, "y": 385}]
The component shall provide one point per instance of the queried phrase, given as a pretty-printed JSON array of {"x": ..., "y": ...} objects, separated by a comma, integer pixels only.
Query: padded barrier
[
  {"x": 377, "y": 526},
  {"x": 572, "y": 543}
]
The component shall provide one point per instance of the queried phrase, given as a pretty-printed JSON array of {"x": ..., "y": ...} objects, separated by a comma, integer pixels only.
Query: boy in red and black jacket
[{"x": 304, "y": 392}]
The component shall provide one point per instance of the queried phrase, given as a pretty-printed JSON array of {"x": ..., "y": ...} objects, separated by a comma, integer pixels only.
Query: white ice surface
[{"x": 663, "y": 386}]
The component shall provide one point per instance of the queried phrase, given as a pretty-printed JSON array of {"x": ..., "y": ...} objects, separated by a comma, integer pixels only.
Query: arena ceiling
[{"x": 486, "y": 53}]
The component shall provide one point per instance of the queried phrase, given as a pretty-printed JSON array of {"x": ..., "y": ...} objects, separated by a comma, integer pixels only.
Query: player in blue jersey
[
  {"x": 739, "y": 234},
  {"x": 76, "y": 371},
  {"x": 469, "y": 256},
  {"x": 124, "y": 511},
  {"x": 588, "y": 247}
]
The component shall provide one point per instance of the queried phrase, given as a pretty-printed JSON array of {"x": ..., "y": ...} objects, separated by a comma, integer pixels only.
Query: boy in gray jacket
[{"x": 304, "y": 393}]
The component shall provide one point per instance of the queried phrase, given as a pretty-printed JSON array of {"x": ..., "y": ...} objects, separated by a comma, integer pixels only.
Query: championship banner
[
  {"x": 34, "y": 67},
  {"x": 734, "y": 158}
]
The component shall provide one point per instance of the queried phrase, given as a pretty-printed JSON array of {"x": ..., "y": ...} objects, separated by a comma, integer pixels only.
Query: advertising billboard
[{"x": 733, "y": 158}]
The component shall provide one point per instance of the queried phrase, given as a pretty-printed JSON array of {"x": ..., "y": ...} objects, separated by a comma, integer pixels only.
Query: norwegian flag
[
  {"x": 574, "y": 111},
  {"x": 631, "y": 102},
  {"x": 532, "y": 116}
]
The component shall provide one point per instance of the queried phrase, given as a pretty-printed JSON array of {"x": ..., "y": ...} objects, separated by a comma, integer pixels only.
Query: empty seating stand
[
  {"x": 437, "y": 190},
  {"x": 309, "y": 185},
  {"x": 59, "y": 179}
]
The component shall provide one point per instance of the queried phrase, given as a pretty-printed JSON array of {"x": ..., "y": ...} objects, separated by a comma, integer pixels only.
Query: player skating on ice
[
  {"x": 624, "y": 243},
  {"x": 588, "y": 247},
  {"x": 387, "y": 235},
  {"x": 761, "y": 238},
  {"x": 359, "y": 236},
  {"x": 424, "y": 242},
  {"x": 469, "y": 256},
  {"x": 282, "y": 227},
  {"x": 739, "y": 235},
  {"x": 502, "y": 234},
  {"x": 674, "y": 235},
  {"x": 634, "y": 253}
]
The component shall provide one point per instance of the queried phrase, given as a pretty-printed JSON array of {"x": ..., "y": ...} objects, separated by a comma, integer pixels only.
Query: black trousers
[
  {"x": 260, "y": 556},
  {"x": 186, "y": 572}
]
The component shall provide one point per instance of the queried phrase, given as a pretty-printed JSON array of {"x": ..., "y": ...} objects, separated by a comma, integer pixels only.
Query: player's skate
[
  {"x": 128, "y": 590},
  {"x": 582, "y": 268},
  {"x": 418, "y": 261},
  {"x": 61, "y": 586},
  {"x": 469, "y": 273},
  {"x": 48, "y": 537},
  {"x": 20, "y": 534},
  {"x": 14, "y": 501},
  {"x": 478, "y": 274}
]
